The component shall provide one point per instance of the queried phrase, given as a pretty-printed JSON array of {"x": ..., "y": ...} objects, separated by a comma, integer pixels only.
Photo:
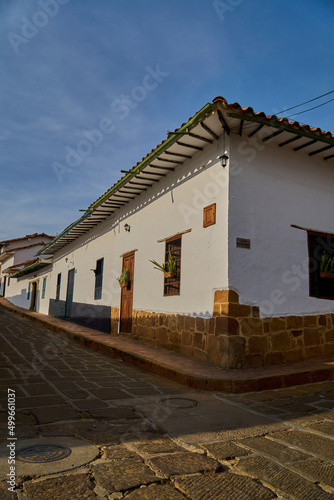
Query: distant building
[
  {"x": 15, "y": 255},
  {"x": 243, "y": 202}
]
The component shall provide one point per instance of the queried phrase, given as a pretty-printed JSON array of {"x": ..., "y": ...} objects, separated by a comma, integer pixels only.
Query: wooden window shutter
[{"x": 209, "y": 215}]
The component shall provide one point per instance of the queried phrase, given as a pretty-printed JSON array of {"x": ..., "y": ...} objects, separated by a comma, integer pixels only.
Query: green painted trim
[
  {"x": 160, "y": 149},
  {"x": 63, "y": 233},
  {"x": 31, "y": 268},
  {"x": 281, "y": 126}
]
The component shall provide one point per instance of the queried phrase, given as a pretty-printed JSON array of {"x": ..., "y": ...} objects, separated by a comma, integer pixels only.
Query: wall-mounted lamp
[
  {"x": 224, "y": 159},
  {"x": 66, "y": 260},
  {"x": 127, "y": 227}
]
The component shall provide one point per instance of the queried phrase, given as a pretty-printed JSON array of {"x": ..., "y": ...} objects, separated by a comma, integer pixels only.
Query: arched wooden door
[{"x": 127, "y": 294}]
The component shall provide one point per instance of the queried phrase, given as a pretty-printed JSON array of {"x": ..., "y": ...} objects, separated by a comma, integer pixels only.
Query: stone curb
[{"x": 182, "y": 369}]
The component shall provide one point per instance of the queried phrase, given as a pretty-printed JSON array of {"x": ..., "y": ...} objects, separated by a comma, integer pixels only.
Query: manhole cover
[
  {"x": 43, "y": 453},
  {"x": 179, "y": 402}
]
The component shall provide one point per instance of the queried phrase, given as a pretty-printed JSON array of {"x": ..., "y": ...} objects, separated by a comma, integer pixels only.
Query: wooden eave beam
[
  {"x": 209, "y": 131},
  {"x": 271, "y": 136},
  {"x": 177, "y": 154},
  {"x": 241, "y": 127},
  {"x": 328, "y": 157},
  {"x": 287, "y": 128},
  {"x": 302, "y": 146},
  {"x": 199, "y": 137},
  {"x": 123, "y": 196},
  {"x": 198, "y": 148},
  {"x": 255, "y": 131},
  {"x": 139, "y": 183},
  {"x": 153, "y": 173},
  {"x": 170, "y": 169},
  {"x": 170, "y": 161},
  {"x": 121, "y": 203},
  {"x": 290, "y": 140},
  {"x": 320, "y": 150},
  {"x": 96, "y": 218},
  {"x": 129, "y": 190},
  {"x": 223, "y": 122},
  {"x": 101, "y": 212}
]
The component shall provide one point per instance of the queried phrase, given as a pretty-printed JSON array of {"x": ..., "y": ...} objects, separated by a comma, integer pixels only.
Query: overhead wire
[
  {"x": 310, "y": 109},
  {"x": 306, "y": 102},
  {"x": 302, "y": 104}
]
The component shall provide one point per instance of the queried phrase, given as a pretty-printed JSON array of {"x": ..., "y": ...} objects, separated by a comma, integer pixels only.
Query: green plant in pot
[
  {"x": 124, "y": 278},
  {"x": 169, "y": 268},
  {"x": 327, "y": 266}
]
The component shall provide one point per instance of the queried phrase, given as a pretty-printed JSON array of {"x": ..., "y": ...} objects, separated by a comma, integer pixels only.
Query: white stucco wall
[
  {"x": 271, "y": 189},
  {"x": 17, "y": 292},
  {"x": 173, "y": 205}
]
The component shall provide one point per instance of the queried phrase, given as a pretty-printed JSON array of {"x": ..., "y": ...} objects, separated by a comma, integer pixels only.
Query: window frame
[
  {"x": 29, "y": 291},
  {"x": 170, "y": 283},
  {"x": 319, "y": 287},
  {"x": 58, "y": 287},
  {"x": 98, "y": 289}
]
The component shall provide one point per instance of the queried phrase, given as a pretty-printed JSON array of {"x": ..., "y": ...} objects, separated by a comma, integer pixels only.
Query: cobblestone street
[{"x": 140, "y": 436}]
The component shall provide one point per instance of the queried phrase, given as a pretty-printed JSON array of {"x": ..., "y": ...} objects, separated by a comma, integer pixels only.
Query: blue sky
[{"x": 68, "y": 68}]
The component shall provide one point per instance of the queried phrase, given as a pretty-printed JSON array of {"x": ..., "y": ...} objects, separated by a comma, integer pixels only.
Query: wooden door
[
  {"x": 33, "y": 299},
  {"x": 127, "y": 294},
  {"x": 69, "y": 294}
]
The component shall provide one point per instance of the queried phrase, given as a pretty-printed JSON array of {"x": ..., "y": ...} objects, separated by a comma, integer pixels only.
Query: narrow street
[{"x": 107, "y": 430}]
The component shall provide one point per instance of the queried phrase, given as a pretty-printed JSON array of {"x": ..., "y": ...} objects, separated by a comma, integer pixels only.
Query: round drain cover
[
  {"x": 179, "y": 402},
  {"x": 43, "y": 453}
]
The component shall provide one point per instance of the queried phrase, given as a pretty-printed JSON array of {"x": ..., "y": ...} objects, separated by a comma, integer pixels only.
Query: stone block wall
[{"x": 235, "y": 337}]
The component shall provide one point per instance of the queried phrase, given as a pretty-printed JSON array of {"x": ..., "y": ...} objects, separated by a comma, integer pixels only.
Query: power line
[
  {"x": 310, "y": 109},
  {"x": 306, "y": 102}
]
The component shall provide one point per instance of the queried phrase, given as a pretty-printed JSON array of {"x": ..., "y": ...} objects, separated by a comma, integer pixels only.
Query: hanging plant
[
  {"x": 124, "y": 278},
  {"x": 169, "y": 268}
]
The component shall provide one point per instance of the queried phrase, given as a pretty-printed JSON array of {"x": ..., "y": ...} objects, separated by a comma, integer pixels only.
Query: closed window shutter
[{"x": 44, "y": 288}]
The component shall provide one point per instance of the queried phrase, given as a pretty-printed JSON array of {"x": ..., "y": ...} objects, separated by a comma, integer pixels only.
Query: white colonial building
[
  {"x": 15, "y": 255},
  {"x": 243, "y": 203}
]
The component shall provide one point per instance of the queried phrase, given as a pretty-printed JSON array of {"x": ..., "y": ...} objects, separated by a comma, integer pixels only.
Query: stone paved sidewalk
[
  {"x": 153, "y": 438},
  {"x": 188, "y": 371}
]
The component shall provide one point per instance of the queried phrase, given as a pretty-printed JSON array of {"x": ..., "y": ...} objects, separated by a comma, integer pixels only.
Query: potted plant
[
  {"x": 168, "y": 268},
  {"x": 124, "y": 278},
  {"x": 327, "y": 266}
]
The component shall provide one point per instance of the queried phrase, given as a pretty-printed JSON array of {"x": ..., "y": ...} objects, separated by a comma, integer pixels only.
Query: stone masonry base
[{"x": 235, "y": 337}]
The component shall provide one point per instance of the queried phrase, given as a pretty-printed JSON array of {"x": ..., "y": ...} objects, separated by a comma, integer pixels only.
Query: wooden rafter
[
  {"x": 208, "y": 130},
  {"x": 256, "y": 130},
  {"x": 271, "y": 136},
  {"x": 170, "y": 169},
  {"x": 280, "y": 125},
  {"x": 223, "y": 122},
  {"x": 153, "y": 173},
  {"x": 241, "y": 127},
  {"x": 177, "y": 154},
  {"x": 290, "y": 140},
  {"x": 189, "y": 146},
  {"x": 302, "y": 146},
  {"x": 170, "y": 161},
  {"x": 200, "y": 137},
  {"x": 140, "y": 184},
  {"x": 320, "y": 150}
]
